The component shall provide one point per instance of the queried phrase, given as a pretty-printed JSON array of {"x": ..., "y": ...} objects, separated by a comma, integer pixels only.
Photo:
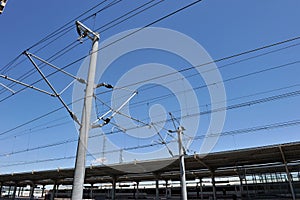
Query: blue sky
[{"x": 223, "y": 28}]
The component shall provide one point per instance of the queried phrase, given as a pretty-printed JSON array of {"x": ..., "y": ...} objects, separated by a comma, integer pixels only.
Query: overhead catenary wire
[
  {"x": 149, "y": 24},
  {"x": 160, "y": 19},
  {"x": 284, "y": 124},
  {"x": 32, "y": 71},
  {"x": 254, "y": 129},
  {"x": 38, "y": 119},
  {"x": 37, "y": 129},
  {"x": 234, "y": 78},
  {"x": 38, "y": 147},
  {"x": 8, "y": 65},
  {"x": 62, "y": 29},
  {"x": 165, "y": 96},
  {"x": 74, "y": 44},
  {"x": 150, "y": 99},
  {"x": 235, "y": 106},
  {"x": 292, "y": 39},
  {"x": 65, "y": 26},
  {"x": 245, "y": 104},
  {"x": 61, "y": 32},
  {"x": 23, "y": 88},
  {"x": 31, "y": 121},
  {"x": 152, "y": 23},
  {"x": 218, "y": 60},
  {"x": 73, "y": 102},
  {"x": 101, "y": 29},
  {"x": 247, "y": 96},
  {"x": 219, "y": 67},
  {"x": 230, "y": 107},
  {"x": 215, "y": 61},
  {"x": 164, "y": 17}
]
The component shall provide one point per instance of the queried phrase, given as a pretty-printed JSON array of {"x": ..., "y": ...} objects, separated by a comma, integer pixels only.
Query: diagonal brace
[
  {"x": 57, "y": 68},
  {"x": 52, "y": 88}
]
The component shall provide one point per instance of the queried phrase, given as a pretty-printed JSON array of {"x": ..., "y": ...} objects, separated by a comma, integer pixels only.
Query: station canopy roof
[{"x": 266, "y": 159}]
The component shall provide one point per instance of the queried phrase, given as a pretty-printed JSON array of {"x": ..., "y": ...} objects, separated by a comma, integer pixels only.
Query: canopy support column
[{"x": 287, "y": 173}]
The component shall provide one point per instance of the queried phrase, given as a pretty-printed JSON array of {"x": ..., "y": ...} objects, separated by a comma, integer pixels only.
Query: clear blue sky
[{"x": 223, "y": 28}]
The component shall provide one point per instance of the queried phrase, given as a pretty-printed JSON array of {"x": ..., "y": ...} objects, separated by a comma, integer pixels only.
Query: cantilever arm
[
  {"x": 26, "y": 85},
  {"x": 73, "y": 116},
  {"x": 114, "y": 112}
]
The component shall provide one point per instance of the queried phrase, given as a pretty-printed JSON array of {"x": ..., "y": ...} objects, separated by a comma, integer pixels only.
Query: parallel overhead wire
[
  {"x": 254, "y": 129},
  {"x": 236, "y": 55},
  {"x": 7, "y": 66},
  {"x": 235, "y": 106},
  {"x": 130, "y": 16},
  {"x": 63, "y": 29},
  {"x": 217, "y": 60},
  {"x": 73, "y": 44},
  {"x": 171, "y": 14},
  {"x": 65, "y": 26},
  {"x": 218, "y": 68},
  {"x": 230, "y": 107},
  {"x": 59, "y": 33},
  {"x": 70, "y": 104},
  {"x": 165, "y": 96}
]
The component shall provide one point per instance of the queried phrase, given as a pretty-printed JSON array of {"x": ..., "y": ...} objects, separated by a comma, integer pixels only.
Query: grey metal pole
[
  {"x": 14, "y": 192},
  {"x": 1, "y": 187},
  {"x": 19, "y": 192},
  {"x": 91, "y": 191},
  {"x": 201, "y": 189},
  {"x": 113, "y": 189},
  {"x": 287, "y": 173},
  {"x": 9, "y": 190},
  {"x": 43, "y": 191},
  {"x": 156, "y": 189},
  {"x": 53, "y": 191},
  {"x": 79, "y": 174},
  {"x": 31, "y": 195},
  {"x": 182, "y": 165},
  {"x": 166, "y": 189},
  {"x": 241, "y": 186},
  {"x": 137, "y": 190},
  {"x": 213, "y": 181}
]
